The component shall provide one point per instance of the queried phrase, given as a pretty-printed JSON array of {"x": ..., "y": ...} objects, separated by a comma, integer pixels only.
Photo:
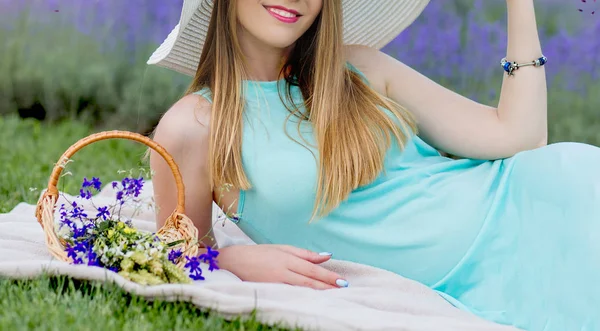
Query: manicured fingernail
[
  {"x": 341, "y": 283},
  {"x": 325, "y": 254}
]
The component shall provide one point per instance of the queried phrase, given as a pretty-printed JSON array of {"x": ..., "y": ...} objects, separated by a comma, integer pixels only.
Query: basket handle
[{"x": 58, "y": 168}]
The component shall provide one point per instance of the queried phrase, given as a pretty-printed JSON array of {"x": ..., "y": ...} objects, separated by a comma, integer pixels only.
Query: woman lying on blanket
[{"x": 306, "y": 134}]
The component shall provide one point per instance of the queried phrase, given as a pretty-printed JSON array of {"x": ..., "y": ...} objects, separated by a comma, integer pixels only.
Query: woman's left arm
[{"x": 461, "y": 126}]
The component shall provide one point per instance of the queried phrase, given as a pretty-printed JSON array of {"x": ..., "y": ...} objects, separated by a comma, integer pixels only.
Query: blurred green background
[{"x": 85, "y": 60}]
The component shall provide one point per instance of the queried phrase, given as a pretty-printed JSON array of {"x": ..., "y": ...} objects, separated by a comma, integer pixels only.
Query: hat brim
[{"x": 372, "y": 23}]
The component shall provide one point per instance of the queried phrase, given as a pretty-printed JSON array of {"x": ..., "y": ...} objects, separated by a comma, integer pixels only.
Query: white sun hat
[{"x": 371, "y": 23}]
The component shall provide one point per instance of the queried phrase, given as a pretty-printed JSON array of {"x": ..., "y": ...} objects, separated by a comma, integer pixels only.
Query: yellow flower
[
  {"x": 120, "y": 225},
  {"x": 111, "y": 233},
  {"x": 128, "y": 230}
]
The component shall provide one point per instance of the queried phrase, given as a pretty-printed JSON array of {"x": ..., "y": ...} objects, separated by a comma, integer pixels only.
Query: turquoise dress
[{"x": 515, "y": 241}]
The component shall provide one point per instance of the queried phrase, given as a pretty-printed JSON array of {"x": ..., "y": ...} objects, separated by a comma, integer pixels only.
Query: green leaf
[{"x": 175, "y": 243}]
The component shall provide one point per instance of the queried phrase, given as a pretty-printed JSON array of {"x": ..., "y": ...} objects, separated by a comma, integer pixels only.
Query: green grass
[
  {"x": 28, "y": 151},
  {"x": 60, "y": 303}
]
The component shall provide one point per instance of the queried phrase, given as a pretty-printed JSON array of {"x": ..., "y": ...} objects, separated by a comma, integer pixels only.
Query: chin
[
  {"x": 280, "y": 41},
  {"x": 282, "y": 44}
]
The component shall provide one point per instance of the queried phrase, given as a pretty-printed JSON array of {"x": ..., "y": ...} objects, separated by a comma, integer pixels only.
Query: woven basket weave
[{"x": 177, "y": 226}]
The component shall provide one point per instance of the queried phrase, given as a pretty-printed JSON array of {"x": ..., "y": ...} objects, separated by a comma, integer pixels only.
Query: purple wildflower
[
  {"x": 120, "y": 196},
  {"x": 103, "y": 212},
  {"x": 64, "y": 218},
  {"x": 128, "y": 188},
  {"x": 85, "y": 194},
  {"x": 72, "y": 252},
  {"x": 68, "y": 218},
  {"x": 92, "y": 258},
  {"x": 80, "y": 232},
  {"x": 174, "y": 255},
  {"x": 197, "y": 275},
  {"x": 210, "y": 258},
  {"x": 86, "y": 183},
  {"x": 77, "y": 212},
  {"x": 96, "y": 183},
  {"x": 132, "y": 186},
  {"x": 193, "y": 265}
]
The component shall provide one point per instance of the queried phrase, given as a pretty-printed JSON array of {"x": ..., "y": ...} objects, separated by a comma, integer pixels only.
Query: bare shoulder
[
  {"x": 186, "y": 123},
  {"x": 184, "y": 131},
  {"x": 371, "y": 62}
]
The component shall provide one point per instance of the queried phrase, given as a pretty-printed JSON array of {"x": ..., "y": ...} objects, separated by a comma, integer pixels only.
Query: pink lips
[{"x": 284, "y": 19}]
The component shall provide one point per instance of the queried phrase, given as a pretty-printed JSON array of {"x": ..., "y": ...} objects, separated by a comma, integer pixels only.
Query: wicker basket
[{"x": 177, "y": 226}]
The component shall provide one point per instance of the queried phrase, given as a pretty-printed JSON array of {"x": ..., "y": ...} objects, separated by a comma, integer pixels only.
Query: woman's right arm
[{"x": 184, "y": 132}]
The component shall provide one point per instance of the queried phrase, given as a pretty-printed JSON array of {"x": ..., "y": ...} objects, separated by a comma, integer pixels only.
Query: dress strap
[{"x": 206, "y": 93}]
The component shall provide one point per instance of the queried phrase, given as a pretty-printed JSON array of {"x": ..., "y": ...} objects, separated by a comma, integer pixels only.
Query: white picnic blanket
[{"x": 375, "y": 300}]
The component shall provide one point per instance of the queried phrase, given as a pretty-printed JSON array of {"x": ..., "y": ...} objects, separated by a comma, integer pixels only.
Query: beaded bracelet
[{"x": 510, "y": 67}]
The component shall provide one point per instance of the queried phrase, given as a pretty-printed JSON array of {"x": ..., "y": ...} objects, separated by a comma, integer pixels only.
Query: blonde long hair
[{"x": 352, "y": 131}]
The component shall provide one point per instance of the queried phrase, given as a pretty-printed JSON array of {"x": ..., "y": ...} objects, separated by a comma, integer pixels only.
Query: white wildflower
[{"x": 64, "y": 232}]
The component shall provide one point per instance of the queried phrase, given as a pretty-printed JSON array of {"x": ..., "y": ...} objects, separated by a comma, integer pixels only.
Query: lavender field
[{"x": 86, "y": 59}]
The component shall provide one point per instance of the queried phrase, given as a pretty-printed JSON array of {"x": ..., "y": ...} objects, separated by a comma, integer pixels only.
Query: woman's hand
[{"x": 280, "y": 264}]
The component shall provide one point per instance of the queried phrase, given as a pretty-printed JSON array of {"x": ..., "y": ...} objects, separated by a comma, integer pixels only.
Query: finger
[
  {"x": 317, "y": 272},
  {"x": 306, "y": 254},
  {"x": 296, "y": 279}
]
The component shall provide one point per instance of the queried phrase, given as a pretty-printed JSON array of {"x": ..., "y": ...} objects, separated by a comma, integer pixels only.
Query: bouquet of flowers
[{"x": 101, "y": 237}]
